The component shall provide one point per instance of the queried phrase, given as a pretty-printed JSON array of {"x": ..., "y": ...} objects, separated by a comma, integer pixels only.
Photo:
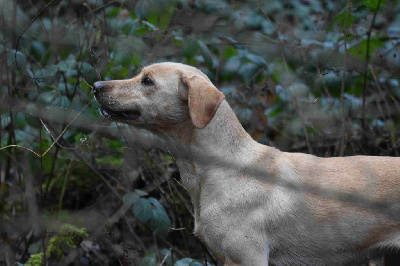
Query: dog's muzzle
[
  {"x": 120, "y": 115},
  {"x": 100, "y": 88}
]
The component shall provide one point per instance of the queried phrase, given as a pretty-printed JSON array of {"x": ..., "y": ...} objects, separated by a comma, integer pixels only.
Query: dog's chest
[{"x": 232, "y": 208}]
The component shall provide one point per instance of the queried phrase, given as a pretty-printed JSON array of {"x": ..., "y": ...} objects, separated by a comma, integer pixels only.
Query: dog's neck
[
  {"x": 223, "y": 137},
  {"x": 223, "y": 144}
]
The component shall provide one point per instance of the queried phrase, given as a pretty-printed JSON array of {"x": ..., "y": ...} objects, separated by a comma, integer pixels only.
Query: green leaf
[
  {"x": 188, "y": 262},
  {"x": 119, "y": 72},
  {"x": 141, "y": 193},
  {"x": 47, "y": 97},
  {"x": 267, "y": 27},
  {"x": 5, "y": 120},
  {"x": 166, "y": 16},
  {"x": 247, "y": 71},
  {"x": 64, "y": 102},
  {"x": 149, "y": 260},
  {"x": 156, "y": 203},
  {"x": 231, "y": 67},
  {"x": 207, "y": 55},
  {"x": 88, "y": 73},
  {"x": 49, "y": 71},
  {"x": 20, "y": 60},
  {"x": 113, "y": 12},
  {"x": 142, "y": 210},
  {"x": 169, "y": 159},
  {"x": 332, "y": 81},
  {"x": 142, "y": 9},
  {"x": 190, "y": 50},
  {"x": 38, "y": 50},
  {"x": 360, "y": 50},
  {"x": 230, "y": 51},
  {"x": 258, "y": 60},
  {"x": 184, "y": 262},
  {"x": 35, "y": 260},
  {"x": 66, "y": 65},
  {"x": 129, "y": 26},
  {"x": 31, "y": 109},
  {"x": 165, "y": 253},
  {"x": 110, "y": 160},
  {"x": 150, "y": 26},
  {"x": 253, "y": 21},
  {"x": 210, "y": 6},
  {"x": 130, "y": 197},
  {"x": 34, "y": 247},
  {"x": 113, "y": 144},
  {"x": 373, "y": 4},
  {"x": 344, "y": 22},
  {"x": 152, "y": 18},
  {"x": 133, "y": 196},
  {"x": 160, "y": 221}
]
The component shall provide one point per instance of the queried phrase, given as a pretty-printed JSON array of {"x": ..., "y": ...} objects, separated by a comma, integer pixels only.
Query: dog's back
[{"x": 336, "y": 210}]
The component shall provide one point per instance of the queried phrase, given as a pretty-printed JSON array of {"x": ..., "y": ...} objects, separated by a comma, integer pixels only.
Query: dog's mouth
[{"x": 120, "y": 115}]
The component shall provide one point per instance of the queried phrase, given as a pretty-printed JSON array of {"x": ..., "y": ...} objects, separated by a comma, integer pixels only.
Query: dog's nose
[{"x": 97, "y": 87}]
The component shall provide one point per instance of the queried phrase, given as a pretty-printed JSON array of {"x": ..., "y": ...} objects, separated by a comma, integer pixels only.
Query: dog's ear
[{"x": 203, "y": 99}]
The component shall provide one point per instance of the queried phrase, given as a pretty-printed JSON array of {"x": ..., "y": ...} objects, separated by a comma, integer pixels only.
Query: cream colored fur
[{"x": 254, "y": 204}]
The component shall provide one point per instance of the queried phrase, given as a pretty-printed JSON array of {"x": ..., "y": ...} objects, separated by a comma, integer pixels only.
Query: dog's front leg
[
  {"x": 267, "y": 249},
  {"x": 250, "y": 255},
  {"x": 258, "y": 260}
]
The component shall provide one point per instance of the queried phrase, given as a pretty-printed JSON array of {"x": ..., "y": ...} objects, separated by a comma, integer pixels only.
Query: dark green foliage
[
  {"x": 68, "y": 235},
  {"x": 320, "y": 77},
  {"x": 188, "y": 262}
]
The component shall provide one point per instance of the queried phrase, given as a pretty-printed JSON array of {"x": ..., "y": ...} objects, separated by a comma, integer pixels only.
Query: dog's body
[{"x": 254, "y": 204}]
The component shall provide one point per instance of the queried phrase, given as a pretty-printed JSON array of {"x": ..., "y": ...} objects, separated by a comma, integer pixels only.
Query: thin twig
[
  {"x": 303, "y": 123},
  {"x": 65, "y": 185},
  {"x": 52, "y": 168},
  {"x": 366, "y": 68},
  {"x": 55, "y": 141},
  {"x": 135, "y": 236},
  {"x": 9, "y": 91},
  {"x": 384, "y": 90},
  {"x": 33, "y": 209},
  {"x": 165, "y": 257},
  {"x": 342, "y": 135},
  {"x": 20, "y": 36}
]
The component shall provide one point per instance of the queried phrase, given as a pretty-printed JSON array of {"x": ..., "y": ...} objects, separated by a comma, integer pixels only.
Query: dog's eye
[{"x": 146, "y": 81}]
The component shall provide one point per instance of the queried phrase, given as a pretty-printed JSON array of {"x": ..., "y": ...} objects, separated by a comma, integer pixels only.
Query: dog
[{"x": 253, "y": 204}]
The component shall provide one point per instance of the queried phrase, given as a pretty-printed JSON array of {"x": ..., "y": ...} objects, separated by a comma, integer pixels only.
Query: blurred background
[{"x": 319, "y": 77}]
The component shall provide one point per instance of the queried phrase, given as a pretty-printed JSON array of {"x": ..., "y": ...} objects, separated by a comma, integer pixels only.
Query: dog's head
[{"x": 160, "y": 96}]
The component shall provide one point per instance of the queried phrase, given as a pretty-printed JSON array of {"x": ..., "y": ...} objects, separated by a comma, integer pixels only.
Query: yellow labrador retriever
[{"x": 254, "y": 204}]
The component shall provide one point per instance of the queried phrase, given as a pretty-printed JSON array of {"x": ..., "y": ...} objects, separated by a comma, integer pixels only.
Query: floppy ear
[{"x": 203, "y": 99}]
